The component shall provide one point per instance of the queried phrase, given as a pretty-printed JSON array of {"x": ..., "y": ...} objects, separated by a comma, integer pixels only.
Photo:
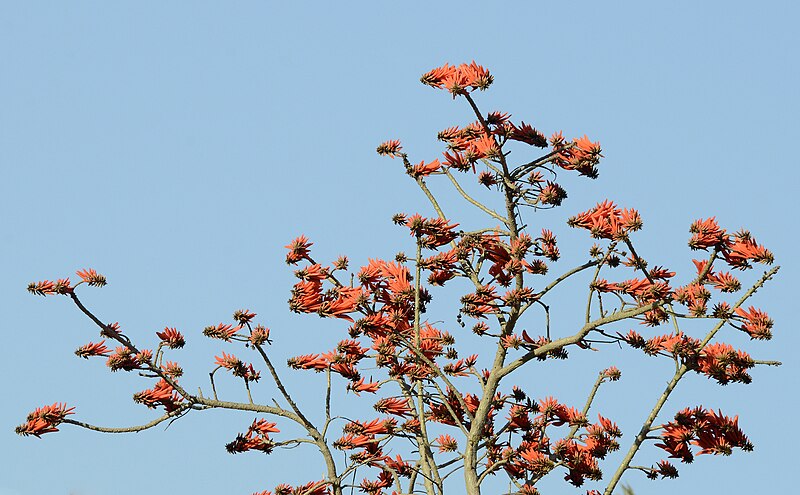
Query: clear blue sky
[{"x": 177, "y": 146}]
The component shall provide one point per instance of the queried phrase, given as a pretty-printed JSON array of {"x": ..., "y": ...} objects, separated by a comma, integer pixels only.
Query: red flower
[
  {"x": 458, "y": 80},
  {"x": 527, "y": 134},
  {"x": 44, "y": 420},
  {"x": 172, "y": 370},
  {"x": 390, "y": 405},
  {"x": 91, "y": 277},
  {"x": 92, "y": 349},
  {"x": 221, "y": 331},
  {"x": 706, "y": 234},
  {"x": 757, "y": 323},
  {"x": 360, "y": 386},
  {"x": 162, "y": 394},
  {"x": 172, "y": 338},
  {"x": 744, "y": 249},
  {"x": 446, "y": 443},
  {"x": 390, "y": 148},
  {"x": 298, "y": 250},
  {"x": 123, "y": 359},
  {"x": 606, "y": 221},
  {"x": 243, "y": 316},
  {"x": 309, "y": 361},
  {"x": 43, "y": 288},
  {"x": 423, "y": 169}
]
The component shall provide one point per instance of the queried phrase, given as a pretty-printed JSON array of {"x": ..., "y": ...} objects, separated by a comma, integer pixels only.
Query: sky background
[{"x": 176, "y": 147}]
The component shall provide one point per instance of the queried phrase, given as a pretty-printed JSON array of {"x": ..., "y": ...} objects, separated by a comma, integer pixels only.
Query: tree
[{"x": 439, "y": 412}]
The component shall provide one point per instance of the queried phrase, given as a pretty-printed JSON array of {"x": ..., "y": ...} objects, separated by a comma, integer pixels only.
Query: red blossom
[
  {"x": 390, "y": 148},
  {"x": 606, "y": 221},
  {"x": 298, "y": 250},
  {"x": 458, "y": 80},
  {"x": 43, "y": 288},
  {"x": 172, "y": 338},
  {"x": 423, "y": 169},
  {"x": 756, "y": 323},
  {"x": 162, "y": 394},
  {"x": 44, "y": 419},
  {"x": 92, "y": 349},
  {"x": 91, "y": 277}
]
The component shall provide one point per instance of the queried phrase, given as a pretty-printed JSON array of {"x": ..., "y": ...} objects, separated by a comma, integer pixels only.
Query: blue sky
[{"x": 176, "y": 147}]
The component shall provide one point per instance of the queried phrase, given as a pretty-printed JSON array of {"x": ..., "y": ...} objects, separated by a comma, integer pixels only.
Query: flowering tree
[{"x": 441, "y": 413}]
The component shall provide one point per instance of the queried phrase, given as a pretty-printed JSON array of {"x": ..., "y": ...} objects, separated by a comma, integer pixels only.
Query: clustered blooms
[
  {"x": 44, "y": 419},
  {"x": 712, "y": 432},
  {"x": 92, "y": 349},
  {"x": 162, "y": 394},
  {"x": 171, "y": 338},
  {"x": 256, "y": 438},
  {"x": 63, "y": 286},
  {"x": 458, "y": 80},
  {"x": 237, "y": 367},
  {"x": 755, "y": 323},
  {"x": 580, "y": 155},
  {"x": 383, "y": 306},
  {"x": 606, "y": 221},
  {"x": 718, "y": 361},
  {"x": 738, "y": 249},
  {"x": 537, "y": 454},
  {"x": 311, "y": 488},
  {"x": 431, "y": 232}
]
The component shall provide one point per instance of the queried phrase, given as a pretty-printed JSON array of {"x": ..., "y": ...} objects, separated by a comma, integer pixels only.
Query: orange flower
[
  {"x": 44, "y": 420},
  {"x": 458, "y": 80},
  {"x": 91, "y": 277},
  {"x": 43, "y": 288},
  {"x": 298, "y": 250},
  {"x": 162, "y": 394},
  {"x": 606, "y": 221},
  {"x": 446, "y": 443},
  {"x": 221, "y": 331},
  {"x": 172, "y": 338},
  {"x": 706, "y": 234},
  {"x": 757, "y": 323},
  {"x": 360, "y": 386},
  {"x": 92, "y": 349},
  {"x": 391, "y": 405},
  {"x": 390, "y": 148},
  {"x": 423, "y": 169}
]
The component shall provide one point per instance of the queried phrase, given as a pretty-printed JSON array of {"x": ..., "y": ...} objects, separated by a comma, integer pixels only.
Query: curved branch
[{"x": 129, "y": 429}]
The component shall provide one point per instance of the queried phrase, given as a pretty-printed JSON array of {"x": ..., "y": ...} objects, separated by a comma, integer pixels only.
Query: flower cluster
[
  {"x": 256, "y": 438},
  {"x": 718, "y": 361},
  {"x": 171, "y": 338},
  {"x": 237, "y": 367},
  {"x": 580, "y": 155},
  {"x": 44, "y": 420},
  {"x": 162, "y": 394},
  {"x": 458, "y": 80},
  {"x": 738, "y": 249},
  {"x": 606, "y": 221},
  {"x": 712, "y": 432},
  {"x": 431, "y": 232}
]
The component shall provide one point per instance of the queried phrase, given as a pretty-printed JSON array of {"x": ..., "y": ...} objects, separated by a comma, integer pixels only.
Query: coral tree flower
[
  {"x": 606, "y": 221},
  {"x": 458, "y": 80},
  {"x": 44, "y": 419},
  {"x": 298, "y": 250},
  {"x": 91, "y": 277},
  {"x": 171, "y": 338},
  {"x": 92, "y": 349}
]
